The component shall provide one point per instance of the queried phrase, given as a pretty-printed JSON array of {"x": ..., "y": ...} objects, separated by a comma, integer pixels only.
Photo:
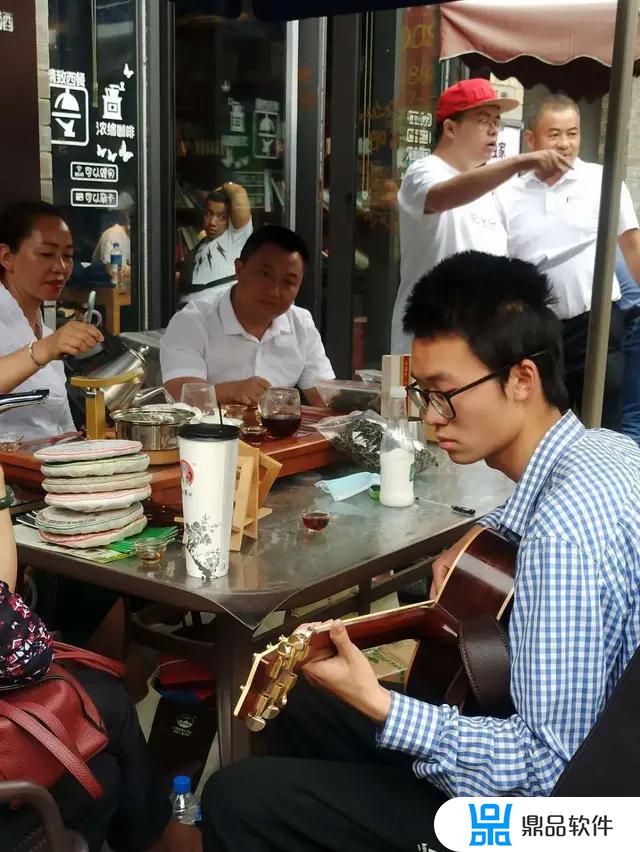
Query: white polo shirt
[
  {"x": 215, "y": 260},
  {"x": 428, "y": 238},
  {"x": 556, "y": 227},
  {"x": 51, "y": 417},
  {"x": 205, "y": 340}
]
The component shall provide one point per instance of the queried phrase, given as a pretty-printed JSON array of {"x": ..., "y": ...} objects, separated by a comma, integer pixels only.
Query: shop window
[
  {"x": 400, "y": 84},
  {"x": 93, "y": 89},
  {"x": 230, "y": 134}
]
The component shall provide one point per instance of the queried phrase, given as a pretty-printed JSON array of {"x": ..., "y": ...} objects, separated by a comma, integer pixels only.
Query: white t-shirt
[
  {"x": 428, "y": 238},
  {"x": 51, "y": 417},
  {"x": 556, "y": 227},
  {"x": 215, "y": 260},
  {"x": 205, "y": 340},
  {"x": 104, "y": 247}
]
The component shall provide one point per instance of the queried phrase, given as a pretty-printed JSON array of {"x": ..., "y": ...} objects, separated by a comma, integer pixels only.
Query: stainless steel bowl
[{"x": 156, "y": 429}]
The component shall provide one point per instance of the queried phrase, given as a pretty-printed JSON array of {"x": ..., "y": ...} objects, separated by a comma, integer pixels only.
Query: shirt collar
[
  {"x": 231, "y": 324},
  {"x": 571, "y": 175},
  {"x": 522, "y": 503},
  {"x": 10, "y": 307}
]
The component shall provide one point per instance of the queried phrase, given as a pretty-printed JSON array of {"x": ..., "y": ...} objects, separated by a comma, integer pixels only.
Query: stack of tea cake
[{"x": 94, "y": 492}]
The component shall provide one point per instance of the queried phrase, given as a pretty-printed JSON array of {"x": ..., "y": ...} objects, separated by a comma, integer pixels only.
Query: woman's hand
[{"x": 73, "y": 338}]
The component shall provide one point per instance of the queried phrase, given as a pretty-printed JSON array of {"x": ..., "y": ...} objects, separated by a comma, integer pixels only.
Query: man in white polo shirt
[
  {"x": 447, "y": 201},
  {"x": 553, "y": 223},
  {"x": 250, "y": 336}
]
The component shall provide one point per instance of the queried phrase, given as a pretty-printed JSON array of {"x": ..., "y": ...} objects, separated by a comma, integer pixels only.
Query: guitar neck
[{"x": 425, "y": 620}]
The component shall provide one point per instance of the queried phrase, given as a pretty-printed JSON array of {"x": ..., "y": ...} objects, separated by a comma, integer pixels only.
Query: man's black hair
[
  {"x": 220, "y": 196},
  {"x": 500, "y": 306},
  {"x": 276, "y": 235}
]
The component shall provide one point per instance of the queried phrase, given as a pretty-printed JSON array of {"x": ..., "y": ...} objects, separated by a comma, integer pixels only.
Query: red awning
[
  {"x": 503, "y": 30},
  {"x": 567, "y": 46}
]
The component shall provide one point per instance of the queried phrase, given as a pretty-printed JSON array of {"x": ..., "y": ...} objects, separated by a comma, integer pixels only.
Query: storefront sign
[
  {"x": 508, "y": 142},
  {"x": 112, "y": 135},
  {"x": 94, "y": 172},
  {"x": 69, "y": 108},
  {"x": 6, "y": 22},
  {"x": 107, "y": 198}
]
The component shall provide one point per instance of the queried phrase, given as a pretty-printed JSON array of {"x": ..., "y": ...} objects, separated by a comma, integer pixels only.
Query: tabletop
[{"x": 290, "y": 566}]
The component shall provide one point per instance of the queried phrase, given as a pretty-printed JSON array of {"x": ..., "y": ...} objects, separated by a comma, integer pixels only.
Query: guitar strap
[{"x": 482, "y": 685}]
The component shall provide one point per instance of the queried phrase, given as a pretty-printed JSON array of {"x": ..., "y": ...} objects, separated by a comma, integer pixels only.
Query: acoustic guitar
[{"x": 480, "y": 582}]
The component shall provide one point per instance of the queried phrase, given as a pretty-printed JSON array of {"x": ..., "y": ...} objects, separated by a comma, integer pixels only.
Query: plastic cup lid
[{"x": 209, "y": 432}]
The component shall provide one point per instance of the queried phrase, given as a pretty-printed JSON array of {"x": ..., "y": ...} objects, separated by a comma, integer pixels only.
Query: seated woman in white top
[
  {"x": 36, "y": 258},
  {"x": 250, "y": 335}
]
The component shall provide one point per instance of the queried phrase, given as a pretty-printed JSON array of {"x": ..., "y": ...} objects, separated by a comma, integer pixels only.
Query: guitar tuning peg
[
  {"x": 270, "y": 713},
  {"x": 255, "y": 724}
]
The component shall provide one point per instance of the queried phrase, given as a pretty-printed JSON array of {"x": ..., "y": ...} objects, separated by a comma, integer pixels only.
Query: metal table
[{"x": 289, "y": 566}]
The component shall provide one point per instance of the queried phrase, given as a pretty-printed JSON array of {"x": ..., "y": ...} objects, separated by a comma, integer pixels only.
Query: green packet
[{"x": 155, "y": 533}]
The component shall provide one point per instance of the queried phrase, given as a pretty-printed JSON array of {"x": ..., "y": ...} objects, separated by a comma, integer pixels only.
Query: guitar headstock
[{"x": 272, "y": 676}]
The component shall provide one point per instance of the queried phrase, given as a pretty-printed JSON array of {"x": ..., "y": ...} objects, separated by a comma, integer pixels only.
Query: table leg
[
  {"x": 112, "y": 312},
  {"x": 234, "y": 650}
]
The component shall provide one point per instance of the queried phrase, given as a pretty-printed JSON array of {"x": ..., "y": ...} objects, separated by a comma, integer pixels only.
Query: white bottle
[
  {"x": 116, "y": 266},
  {"x": 397, "y": 454}
]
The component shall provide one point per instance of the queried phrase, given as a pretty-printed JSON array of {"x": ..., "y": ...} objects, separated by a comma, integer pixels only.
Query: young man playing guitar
[{"x": 362, "y": 768}]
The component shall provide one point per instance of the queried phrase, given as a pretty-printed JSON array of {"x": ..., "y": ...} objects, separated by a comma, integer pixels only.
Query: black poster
[{"x": 94, "y": 105}]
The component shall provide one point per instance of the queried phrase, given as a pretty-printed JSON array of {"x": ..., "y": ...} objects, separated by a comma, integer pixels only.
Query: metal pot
[
  {"x": 155, "y": 429},
  {"x": 121, "y": 396}
]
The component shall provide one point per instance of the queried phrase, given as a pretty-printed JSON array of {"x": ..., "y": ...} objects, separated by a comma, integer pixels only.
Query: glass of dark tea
[
  {"x": 315, "y": 521},
  {"x": 281, "y": 411}
]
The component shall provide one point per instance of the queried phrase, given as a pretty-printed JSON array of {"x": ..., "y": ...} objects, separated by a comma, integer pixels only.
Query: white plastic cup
[{"x": 208, "y": 461}]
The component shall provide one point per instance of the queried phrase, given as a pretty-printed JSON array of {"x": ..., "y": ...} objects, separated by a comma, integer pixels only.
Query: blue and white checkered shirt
[{"x": 574, "y": 626}]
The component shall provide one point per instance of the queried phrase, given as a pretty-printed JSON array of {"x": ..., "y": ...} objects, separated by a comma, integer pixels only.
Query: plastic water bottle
[
  {"x": 116, "y": 266},
  {"x": 186, "y": 808},
  {"x": 397, "y": 454}
]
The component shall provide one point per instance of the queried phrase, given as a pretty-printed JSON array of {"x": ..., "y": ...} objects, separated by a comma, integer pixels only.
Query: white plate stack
[{"x": 94, "y": 492}]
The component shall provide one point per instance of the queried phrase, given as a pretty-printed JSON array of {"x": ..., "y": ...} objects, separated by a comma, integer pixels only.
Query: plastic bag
[{"x": 359, "y": 435}]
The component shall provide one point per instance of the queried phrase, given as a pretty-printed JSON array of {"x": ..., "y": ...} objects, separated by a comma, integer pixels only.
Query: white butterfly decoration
[
  {"x": 128, "y": 73},
  {"x": 124, "y": 152},
  {"x": 101, "y": 152},
  {"x": 112, "y": 156}
]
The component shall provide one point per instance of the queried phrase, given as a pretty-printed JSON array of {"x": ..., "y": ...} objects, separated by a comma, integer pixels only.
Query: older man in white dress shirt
[
  {"x": 250, "y": 336},
  {"x": 553, "y": 223}
]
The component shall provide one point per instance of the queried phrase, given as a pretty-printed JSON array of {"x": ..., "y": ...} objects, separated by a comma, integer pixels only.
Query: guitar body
[{"x": 479, "y": 583}]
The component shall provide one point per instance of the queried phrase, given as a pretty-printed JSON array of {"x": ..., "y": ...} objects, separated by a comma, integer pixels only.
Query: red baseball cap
[{"x": 468, "y": 94}]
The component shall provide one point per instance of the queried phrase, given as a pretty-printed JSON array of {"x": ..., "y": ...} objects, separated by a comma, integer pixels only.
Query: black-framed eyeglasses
[{"x": 441, "y": 400}]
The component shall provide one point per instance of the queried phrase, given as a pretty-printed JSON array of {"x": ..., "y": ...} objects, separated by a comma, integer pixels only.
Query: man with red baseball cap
[{"x": 447, "y": 203}]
